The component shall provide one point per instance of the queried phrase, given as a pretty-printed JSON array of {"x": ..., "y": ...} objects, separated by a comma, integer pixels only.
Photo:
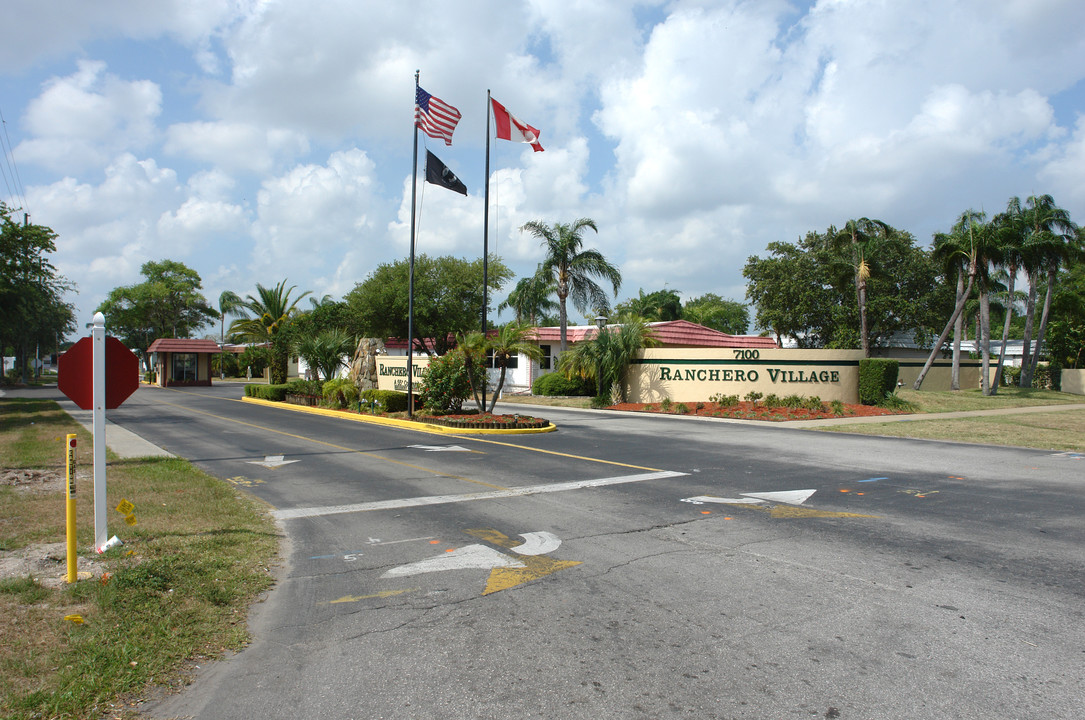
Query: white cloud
[
  {"x": 235, "y": 146},
  {"x": 82, "y": 120}
]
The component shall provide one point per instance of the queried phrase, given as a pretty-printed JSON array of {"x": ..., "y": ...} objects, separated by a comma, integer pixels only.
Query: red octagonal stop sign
[{"x": 75, "y": 373}]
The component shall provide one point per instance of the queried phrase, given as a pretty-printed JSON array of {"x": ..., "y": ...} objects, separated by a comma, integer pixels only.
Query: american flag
[{"x": 434, "y": 116}]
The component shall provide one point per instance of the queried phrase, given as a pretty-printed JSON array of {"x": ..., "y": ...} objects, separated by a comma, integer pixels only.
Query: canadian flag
[{"x": 510, "y": 128}]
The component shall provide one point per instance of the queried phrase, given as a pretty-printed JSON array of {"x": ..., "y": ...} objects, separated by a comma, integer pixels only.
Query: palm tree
[
  {"x": 473, "y": 347},
  {"x": 327, "y": 351},
  {"x": 530, "y": 299},
  {"x": 607, "y": 356},
  {"x": 229, "y": 304},
  {"x": 271, "y": 312},
  {"x": 572, "y": 268},
  {"x": 956, "y": 247},
  {"x": 860, "y": 234},
  {"x": 511, "y": 340},
  {"x": 1010, "y": 238},
  {"x": 1050, "y": 238}
]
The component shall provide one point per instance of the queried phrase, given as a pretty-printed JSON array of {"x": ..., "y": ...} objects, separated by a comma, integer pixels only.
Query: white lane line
[{"x": 469, "y": 497}]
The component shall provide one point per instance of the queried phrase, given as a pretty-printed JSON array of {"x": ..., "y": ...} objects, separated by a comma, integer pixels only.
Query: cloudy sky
[{"x": 257, "y": 140}]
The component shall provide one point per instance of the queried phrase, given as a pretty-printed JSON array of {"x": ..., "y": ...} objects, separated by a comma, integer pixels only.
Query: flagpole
[
  {"x": 410, "y": 272},
  {"x": 485, "y": 246}
]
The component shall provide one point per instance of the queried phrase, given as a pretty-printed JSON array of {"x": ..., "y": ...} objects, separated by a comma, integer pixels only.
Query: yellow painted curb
[{"x": 395, "y": 422}]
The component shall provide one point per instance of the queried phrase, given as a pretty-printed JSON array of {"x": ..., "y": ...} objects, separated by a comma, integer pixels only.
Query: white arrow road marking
[
  {"x": 789, "y": 497},
  {"x": 702, "y": 499},
  {"x": 537, "y": 543},
  {"x": 440, "y": 448},
  {"x": 469, "y": 556},
  {"x": 272, "y": 461}
]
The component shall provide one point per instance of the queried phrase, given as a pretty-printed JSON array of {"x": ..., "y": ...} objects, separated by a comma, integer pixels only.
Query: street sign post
[{"x": 98, "y": 373}]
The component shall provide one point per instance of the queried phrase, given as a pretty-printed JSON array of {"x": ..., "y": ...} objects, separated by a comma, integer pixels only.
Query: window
[
  {"x": 184, "y": 367},
  {"x": 544, "y": 363}
]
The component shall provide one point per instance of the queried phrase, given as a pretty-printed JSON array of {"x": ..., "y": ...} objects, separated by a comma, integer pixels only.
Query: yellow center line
[
  {"x": 474, "y": 438},
  {"x": 337, "y": 447}
]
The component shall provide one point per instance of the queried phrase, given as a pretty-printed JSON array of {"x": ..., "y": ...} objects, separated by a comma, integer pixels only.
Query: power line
[{"x": 10, "y": 168}]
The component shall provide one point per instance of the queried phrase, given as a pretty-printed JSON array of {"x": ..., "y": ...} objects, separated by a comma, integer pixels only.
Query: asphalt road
[{"x": 595, "y": 572}]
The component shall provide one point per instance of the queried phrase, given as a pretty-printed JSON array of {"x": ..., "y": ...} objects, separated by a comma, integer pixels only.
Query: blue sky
[{"x": 256, "y": 141}]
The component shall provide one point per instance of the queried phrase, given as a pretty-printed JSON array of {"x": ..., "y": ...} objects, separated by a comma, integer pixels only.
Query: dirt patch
[
  {"x": 755, "y": 411},
  {"x": 32, "y": 480},
  {"x": 46, "y": 563}
]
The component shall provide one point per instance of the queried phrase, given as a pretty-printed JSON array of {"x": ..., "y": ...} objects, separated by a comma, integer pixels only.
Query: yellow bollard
[{"x": 70, "y": 508}]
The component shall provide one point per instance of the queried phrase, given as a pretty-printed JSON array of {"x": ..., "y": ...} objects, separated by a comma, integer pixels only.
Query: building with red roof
[{"x": 182, "y": 362}]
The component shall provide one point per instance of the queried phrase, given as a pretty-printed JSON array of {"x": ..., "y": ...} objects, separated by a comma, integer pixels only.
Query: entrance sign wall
[
  {"x": 697, "y": 374},
  {"x": 392, "y": 372}
]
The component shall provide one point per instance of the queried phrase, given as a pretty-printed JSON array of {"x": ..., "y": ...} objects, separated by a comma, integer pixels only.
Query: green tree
[
  {"x": 661, "y": 305},
  {"x": 606, "y": 357},
  {"x": 447, "y": 300},
  {"x": 32, "y": 310},
  {"x": 714, "y": 312},
  {"x": 953, "y": 249},
  {"x": 511, "y": 340},
  {"x": 790, "y": 293},
  {"x": 1066, "y": 331},
  {"x": 572, "y": 268},
  {"x": 326, "y": 352},
  {"x": 267, "y": 318},
  {"x": 530, "y": 299},
  {"x": 861, "y": 236}
]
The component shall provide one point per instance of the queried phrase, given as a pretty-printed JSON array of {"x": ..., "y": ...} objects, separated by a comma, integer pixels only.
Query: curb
[{"x": 394, "y": 422}]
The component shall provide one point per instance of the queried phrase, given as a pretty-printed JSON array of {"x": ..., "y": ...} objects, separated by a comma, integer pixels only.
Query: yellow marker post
[{"x": 70, "y": 506}]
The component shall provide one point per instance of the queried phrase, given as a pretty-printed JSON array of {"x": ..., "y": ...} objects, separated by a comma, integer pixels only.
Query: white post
[{"x": 97, "y": 334}]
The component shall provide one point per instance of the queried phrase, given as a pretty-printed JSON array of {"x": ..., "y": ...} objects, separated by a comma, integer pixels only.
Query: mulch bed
[
  {"x": 755, "y": 411},
  {"x": 485, "y": 421}
]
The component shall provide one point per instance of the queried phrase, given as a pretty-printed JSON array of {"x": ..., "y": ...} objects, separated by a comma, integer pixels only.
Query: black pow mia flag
[{"x": 439, "y": 174}]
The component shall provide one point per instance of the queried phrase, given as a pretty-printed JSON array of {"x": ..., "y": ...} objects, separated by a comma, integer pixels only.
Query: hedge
[
  {"x": 275, "y": 393},
  {"x": 556, "y": 383},
  {"x": 390, "y": 400},
  {"x": 877, "y": 378}
]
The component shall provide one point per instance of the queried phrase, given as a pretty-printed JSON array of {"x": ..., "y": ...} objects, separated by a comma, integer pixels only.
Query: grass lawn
[
  {"x": 947, "y": 401},
  {"x": 177, "y": 591}
]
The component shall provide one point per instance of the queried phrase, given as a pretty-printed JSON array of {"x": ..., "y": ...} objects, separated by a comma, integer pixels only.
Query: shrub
[
  {"x": 256, "y": 358},
  {"x": 724, "y": 400},
  {"x": 877, "y": 378},
  {"x": 772, "y": 400},
  {"x": 665, "y": 405},
  {"x": 753, "y": 396},
  {"x": 813, "y": 403},
  {"x": 1011, "y": 376},
  {"x": 600, "y": 401},
  {"x": 793, "y": 401},
  {"x": 386, "y": 400},
  {"x": 837, "y": 407},
  {"x": 1047, "y": 377},
  {"x": 340, "y": 393},
  {"x": 681, "y": 409},
  {"x": 892, "y": 401},
  {"x": 446, "y": 384},
  {"x": 556, "y": 383},
  {"x": 274, "y": 393},
  {"x": 305, "y": 387}
]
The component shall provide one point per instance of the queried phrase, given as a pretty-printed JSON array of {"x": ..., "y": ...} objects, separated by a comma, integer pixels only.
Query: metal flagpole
[
  {"x": 485, "y": 246},
  {"x": 410, "y": 281}
]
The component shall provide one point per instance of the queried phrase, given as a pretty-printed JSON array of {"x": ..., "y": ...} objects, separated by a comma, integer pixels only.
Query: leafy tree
[
  {"x": 572, "y": 268},
  {"x": 448, "y": 382},
  {"x": 1066, "y": 333},
  {"x": 530, "y": 299},
  {"x": 511, "y": 340},
  {"x": 268, "y": 316},
  {"x": 32, "y": 309},
  {"x": 447, "y": 300},
  {"x": 714, "y": 312},
  {"x": 790, "y": 294},
  {"x": 168, "y": 303},
  {"x": 661, "y": 305}
]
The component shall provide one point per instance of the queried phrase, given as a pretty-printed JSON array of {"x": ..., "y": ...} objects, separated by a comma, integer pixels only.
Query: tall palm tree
[
  {"x": 955, "y": 247},
  {"x": 860, "y": 235},
  {"x": 269, "y": 314},
  {"x": 572, "y": 268},
  {"x": 511, "y": 340},
  {"x": 1050, "y": 238},
  {"x": 229, "y": 304},
  {"x": 530, "y": 299}
]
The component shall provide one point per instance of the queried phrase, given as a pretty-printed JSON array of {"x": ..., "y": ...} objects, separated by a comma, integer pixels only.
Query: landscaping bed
[
  {"x": 756, "y": 411},
  {"x": 485, "y": 421}
]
